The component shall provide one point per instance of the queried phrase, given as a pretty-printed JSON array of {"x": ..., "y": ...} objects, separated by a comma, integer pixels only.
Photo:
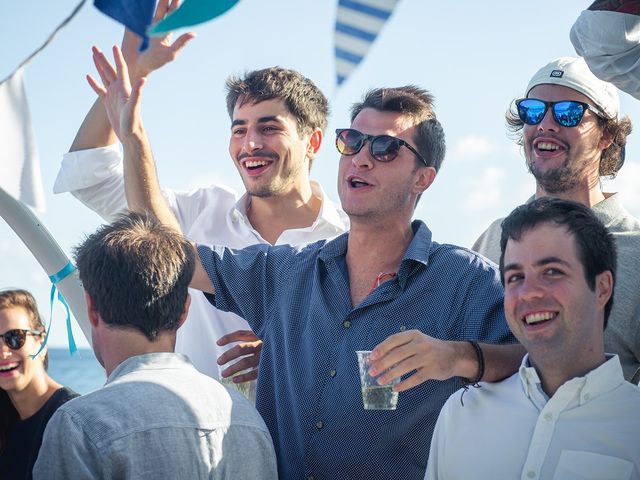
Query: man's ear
[
  {"x": 91, "y": 310},
  {"x": 183, "y": 317},
  {"x": 604, "y": 288},
  {"x": 425, "y": 177},
  {"x": 605, "y": 140},
  {"x": 313, "y": 145}
]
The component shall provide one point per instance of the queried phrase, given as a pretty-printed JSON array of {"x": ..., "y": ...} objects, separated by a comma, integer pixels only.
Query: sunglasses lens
[
  {"x": 568, "y": 113},
  {"x": 385, "y": 148},
  {"x": 349, "y": 142},
  {"x": 15, "y": 339},
  {"x": 531, "y": 111}
]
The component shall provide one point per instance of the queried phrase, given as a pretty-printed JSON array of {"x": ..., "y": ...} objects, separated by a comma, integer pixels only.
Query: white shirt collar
[
  {"x": 330, "y": 212},
  {"x": 602, "y": 379}
]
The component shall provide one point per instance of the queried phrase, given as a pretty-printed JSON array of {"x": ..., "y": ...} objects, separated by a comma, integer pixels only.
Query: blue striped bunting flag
[{"x": 357, "y": 25}]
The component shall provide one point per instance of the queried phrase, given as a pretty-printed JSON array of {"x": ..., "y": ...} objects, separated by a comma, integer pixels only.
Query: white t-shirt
[{"x": 211, "y": 215}]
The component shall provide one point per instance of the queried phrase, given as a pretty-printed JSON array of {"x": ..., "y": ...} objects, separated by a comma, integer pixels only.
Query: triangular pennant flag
[
  {"x": 19, "y": 162},
  {"x": 136, "y": 15},
  {"x": 357, "y": 25},
  {"x": 191, "y": 12}
]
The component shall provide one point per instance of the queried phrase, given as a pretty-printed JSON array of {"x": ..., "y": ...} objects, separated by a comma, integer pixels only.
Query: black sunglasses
[
  {"x": 15, "y": 338},
  {"x": 383, "y": 148},
  {"x": 567, "y": 113}
]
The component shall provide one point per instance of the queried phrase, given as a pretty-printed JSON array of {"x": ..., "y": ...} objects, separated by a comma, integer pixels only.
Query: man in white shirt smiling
[
  {"x": 568, "y": 412},
  {"x": 278, "y": 121}
]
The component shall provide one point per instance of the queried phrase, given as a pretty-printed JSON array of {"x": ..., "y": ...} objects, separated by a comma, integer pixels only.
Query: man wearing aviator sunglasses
[
  {"x": 384, "y": 286},
  {"x": 572, "y": 135}
]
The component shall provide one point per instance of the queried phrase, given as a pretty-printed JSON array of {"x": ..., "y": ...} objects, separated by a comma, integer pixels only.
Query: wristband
[{"x": 480, "y": 356}]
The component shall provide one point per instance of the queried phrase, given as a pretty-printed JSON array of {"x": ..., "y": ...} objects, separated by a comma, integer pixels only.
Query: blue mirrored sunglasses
[{"x": 567, "y": 113}]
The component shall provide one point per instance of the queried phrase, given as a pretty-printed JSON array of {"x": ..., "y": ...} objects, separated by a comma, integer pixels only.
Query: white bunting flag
[{"x": 19, "y": 163}]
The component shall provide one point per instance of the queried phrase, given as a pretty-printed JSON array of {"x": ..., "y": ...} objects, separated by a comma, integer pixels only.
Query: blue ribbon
[{"x": 55, "y": 278}]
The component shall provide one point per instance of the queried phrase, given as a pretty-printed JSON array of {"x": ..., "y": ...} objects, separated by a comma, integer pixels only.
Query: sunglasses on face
[
  {"x": 383, "y": 148},
  {"x": 15, "y": 338},
  {"x": 567, "y": 113}
]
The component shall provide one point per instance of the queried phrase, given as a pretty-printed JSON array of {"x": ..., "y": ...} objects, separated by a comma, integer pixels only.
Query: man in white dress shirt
[
  {"x": 568, "y": 412},
  {"x": 278, "y": 119}
]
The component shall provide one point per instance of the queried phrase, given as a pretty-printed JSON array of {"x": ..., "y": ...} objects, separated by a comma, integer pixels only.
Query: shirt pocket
[{"x": 574, "y": 465}]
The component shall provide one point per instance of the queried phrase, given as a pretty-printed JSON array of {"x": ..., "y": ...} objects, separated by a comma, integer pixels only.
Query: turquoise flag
[{"x": 191, "y": 12}]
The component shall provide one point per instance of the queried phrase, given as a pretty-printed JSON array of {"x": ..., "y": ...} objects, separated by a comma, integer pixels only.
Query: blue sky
[{"x": 475, "y": 57}]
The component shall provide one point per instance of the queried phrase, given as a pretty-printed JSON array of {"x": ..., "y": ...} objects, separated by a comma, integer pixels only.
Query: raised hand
[
  {"x": 121, "y": 102},
  {"x": 161, "y": 50},
  {"x": 249, "y": 348}
]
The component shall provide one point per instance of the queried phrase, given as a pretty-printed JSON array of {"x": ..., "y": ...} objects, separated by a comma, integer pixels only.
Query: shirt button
[
  {"x": 586, "y": 397},
  {"x": 346, "y": 324},
  {"x": 319, "y": 425},
  {"x": 332, "y": 373},
  {"x": 531, "y": 474},
  {"x": 403, "y": 328},
  {"x": 548, "y": 417}
]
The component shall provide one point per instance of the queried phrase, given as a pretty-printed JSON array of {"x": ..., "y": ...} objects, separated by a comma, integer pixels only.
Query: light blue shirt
[
  {"x": 157, "y": 417},
  {"x": 297, "y": 300}
]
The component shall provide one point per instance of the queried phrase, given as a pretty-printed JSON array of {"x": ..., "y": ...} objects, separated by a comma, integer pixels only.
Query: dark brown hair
[
  {"x": 417, "y": 104},
  {"x": 137, "y": 272},
  {"x": 302, "y": 98}
]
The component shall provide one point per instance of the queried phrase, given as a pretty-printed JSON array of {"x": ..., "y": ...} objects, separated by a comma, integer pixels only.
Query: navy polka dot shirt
[{"x": 297, "y": 300}]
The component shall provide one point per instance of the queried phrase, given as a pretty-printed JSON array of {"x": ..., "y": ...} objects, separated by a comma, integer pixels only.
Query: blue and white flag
[{"x": 357, "y": 25}]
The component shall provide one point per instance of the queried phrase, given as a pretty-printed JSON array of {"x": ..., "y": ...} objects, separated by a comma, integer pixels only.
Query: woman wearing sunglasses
[{"x": 28, "y": 396}]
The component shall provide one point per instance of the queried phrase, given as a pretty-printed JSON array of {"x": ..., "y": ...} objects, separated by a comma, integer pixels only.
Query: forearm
[
  {"x": 500, "y": 361},
  {"x": 625, "y": 6},
  {"x": 95, "y": 130},
  {"x": 142, "y": 187}
]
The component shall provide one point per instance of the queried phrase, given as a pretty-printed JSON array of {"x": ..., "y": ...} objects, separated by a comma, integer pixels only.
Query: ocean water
[{"x": 80, "y": 372}]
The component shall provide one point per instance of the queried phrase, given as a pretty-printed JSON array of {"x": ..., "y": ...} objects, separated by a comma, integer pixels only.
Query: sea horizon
[{"x": 80, "y": 372}]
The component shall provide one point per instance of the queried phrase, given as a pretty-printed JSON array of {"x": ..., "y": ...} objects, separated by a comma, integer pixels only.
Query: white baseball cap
[{"x": 574, "y": 73}]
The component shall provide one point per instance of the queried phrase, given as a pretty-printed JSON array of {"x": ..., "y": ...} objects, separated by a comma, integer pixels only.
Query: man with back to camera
[
  {"x": 278, "y": 121},
  {"x": 385, "y": 283},
  {"x": 156, "y": 416},
  {"x": 568, "y": 413},
  {"x": 569, "y": 126}
]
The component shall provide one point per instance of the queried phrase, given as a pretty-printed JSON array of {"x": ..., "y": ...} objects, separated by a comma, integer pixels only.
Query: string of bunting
[{"x": 47, "y": 41}]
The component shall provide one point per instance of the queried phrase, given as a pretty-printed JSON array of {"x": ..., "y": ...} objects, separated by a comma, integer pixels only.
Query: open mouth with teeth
[
  {"x": 9, "y": 367},
  {"x": 539, "y": 317},
  {"x": 548, "y": 148},
  {"x": 355, "y": 182},
  {"x": 256, "y": 166}
]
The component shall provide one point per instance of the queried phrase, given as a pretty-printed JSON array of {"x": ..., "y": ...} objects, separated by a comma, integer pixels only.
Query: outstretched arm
[
  {"x": 96, "y": 130},
  {"x": 122, "y": 105},
  {"x": 434, "y": 359}
]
